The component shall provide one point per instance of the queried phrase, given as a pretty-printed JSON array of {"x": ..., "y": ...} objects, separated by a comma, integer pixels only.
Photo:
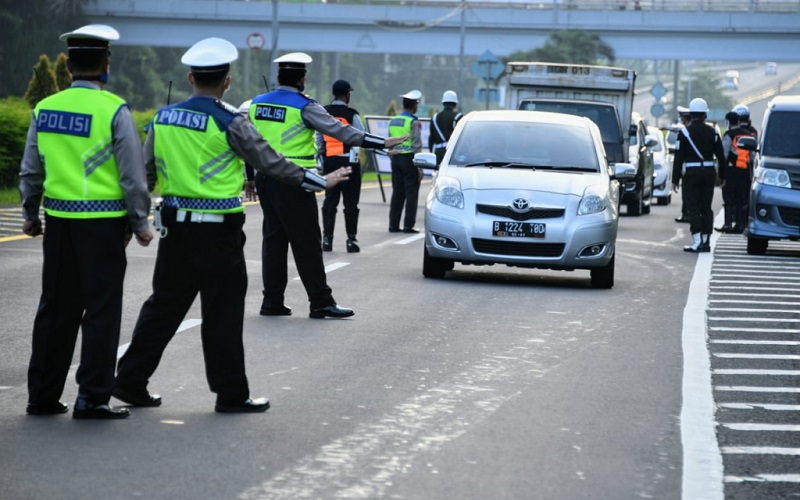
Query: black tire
[
  {"x": 433, "y": 267},
  {"x": 635, "y": 207},
  {"x": 603, "y": 277},
  {"x": 757, "y": 246},
  {"x": 664, "y": 200}
]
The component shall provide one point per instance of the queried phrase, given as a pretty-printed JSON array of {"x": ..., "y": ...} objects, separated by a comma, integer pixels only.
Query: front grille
[
  {"x": 521, "y": 249},
  {"x": 794, "y": 178},
  {"x": 790, "y": 215},
  {"x": 531, "y": 213}
]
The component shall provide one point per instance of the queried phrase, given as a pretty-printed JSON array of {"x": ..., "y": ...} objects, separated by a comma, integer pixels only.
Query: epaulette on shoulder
[
  {"x": 227, "y": 107},
  {"x": 307, "y": 97}
]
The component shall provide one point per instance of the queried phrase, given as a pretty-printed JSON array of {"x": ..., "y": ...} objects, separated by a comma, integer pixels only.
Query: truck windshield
[
  {"x": 780, "y": 138},
  {"x": 603, "y": 115}
]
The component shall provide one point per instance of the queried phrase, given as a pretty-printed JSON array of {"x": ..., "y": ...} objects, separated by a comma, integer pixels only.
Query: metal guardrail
[{"x": 772, "y": 91}]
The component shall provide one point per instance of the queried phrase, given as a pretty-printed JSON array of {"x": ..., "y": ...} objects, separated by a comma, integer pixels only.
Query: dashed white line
[
  {"x": 764, "y": 478},
  {"x": 762, "y": 427},
  {"x": 743, "y": 388},
  {"x": 753, "y": 371},
  {"x": 410, "y": 239},
  {"x": 739, "y": 355},
  {"x": 185, "y": 325},
  {"x": 762, "y": 406},
  {"x": 757, "y": 342},
  {"x": 760, "y": 450},
  {"x": 329, "y": 268}
]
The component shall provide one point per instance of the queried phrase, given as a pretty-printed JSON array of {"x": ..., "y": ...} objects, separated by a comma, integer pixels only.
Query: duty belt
[
  {"x": 699, "y": 164},
  {"x": 202, "y": 203},
  {"x": 84, "y": 206},
  {"x": 185, "y": 216}
]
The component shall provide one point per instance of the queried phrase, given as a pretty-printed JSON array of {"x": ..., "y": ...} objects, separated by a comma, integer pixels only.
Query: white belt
[
  {"x": 199, "y": 216},
  {"x": 699, "y": 164}
]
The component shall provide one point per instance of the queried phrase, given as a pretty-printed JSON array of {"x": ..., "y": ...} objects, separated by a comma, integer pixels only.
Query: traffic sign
[
  {"x": 256, "y": 41},
  {"x": 657, "y": 110},
  {"x": 482, "y": 96},
  {"x": 487, "y": 67},
  {"x": 658, "y": 91}
]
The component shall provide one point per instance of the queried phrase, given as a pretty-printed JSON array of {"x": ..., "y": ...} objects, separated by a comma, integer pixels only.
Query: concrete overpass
[{"x": 743, "y": 30}]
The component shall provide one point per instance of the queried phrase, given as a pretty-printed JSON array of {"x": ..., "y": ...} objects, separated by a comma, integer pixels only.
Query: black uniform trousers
[
  {"x": 291, "y": 216},
  {"x": 405, "y": 191},
  {"x": 736, "y": 192},
  {"x": 698, "y": 186},
  {"x": 82, "y": 278},
  {"x": 205, "y": 258},
  {"x": 349, "y": 191}
]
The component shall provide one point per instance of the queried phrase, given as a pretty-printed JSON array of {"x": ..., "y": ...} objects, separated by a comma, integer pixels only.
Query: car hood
[
  {"x": 792, "y": 164},
  {"x": 565, "y": 183}
]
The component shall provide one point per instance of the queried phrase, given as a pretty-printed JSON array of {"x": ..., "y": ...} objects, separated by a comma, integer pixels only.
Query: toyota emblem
[{"x": 520, "y": 204}]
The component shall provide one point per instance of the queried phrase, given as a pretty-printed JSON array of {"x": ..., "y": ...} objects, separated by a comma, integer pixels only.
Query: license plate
[{"x": 518, "y": 229}]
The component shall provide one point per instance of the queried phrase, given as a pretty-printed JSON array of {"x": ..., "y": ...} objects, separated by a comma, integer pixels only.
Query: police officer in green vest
[
  {"x": 287, "y": 119},
  {"x": 84, "y": 156},
  {"x": 406, "y": 177},
  {"x": 193, "y": 149}
]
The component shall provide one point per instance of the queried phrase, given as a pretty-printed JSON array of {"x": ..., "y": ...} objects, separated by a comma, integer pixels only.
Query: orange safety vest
[
  {"x": 743, "y": 156},
  {"x": 345, "y": 114}
]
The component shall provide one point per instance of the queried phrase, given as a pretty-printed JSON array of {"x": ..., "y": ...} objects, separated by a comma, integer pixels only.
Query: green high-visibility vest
[
  {"x": 74, "y": 136},
  {"x": 399, "y": 126},
  {"x": 278, "y": 116},
  {"x": 196, "y": 167}
]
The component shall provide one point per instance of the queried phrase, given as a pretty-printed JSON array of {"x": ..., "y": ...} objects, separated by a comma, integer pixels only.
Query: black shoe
[
  {"x": 724, "y": 229},
  {"x": 56, "y": 408},
  {"x": 705, "y": 247},
  {"x": 333, "y": 311},
  {"x": 352, "y": 245},
  {"x": 327, "y": 243},
  {"x": 737, "y": 230},
  {"x": 280, "y": 310},
  {"x": 394, "y": 229},
  {"x": 682, "y": 219},
  {"x": 692, "y": 249},
  {"x": 410, "y": 230},
  {"x": 248, "y": 406},
  {"x": 85, "y": 408},
  {"x": 136, "y": 397}
]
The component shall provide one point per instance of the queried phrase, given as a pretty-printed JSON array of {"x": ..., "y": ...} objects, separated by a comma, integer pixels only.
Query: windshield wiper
[
  {"x": 573, "y": 168},
  {"x": 502, "y": 164}
]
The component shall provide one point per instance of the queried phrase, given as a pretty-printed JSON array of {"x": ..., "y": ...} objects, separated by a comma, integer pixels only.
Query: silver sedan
[{"x": 527, "y": 189}]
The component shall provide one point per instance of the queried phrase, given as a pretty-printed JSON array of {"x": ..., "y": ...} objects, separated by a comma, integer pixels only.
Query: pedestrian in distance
[
  {"x": 288, "y": 119},
  {"x": 84, "y": 157},
  {"x": 406, "y": 178},
  {"x": 684, "y": 120},
  {"x": 442, "y": 125},
  {"x": 335, "y": 154},
  {"x": 698, "y": 145},
  {"x": 739, "y": 170},
  {"x": 193, "y": 150}
]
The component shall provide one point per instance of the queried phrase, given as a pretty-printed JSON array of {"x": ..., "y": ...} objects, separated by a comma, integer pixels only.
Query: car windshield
[
  {"x": 525, "y": 145},
  {"x": 781, "y": 136}
]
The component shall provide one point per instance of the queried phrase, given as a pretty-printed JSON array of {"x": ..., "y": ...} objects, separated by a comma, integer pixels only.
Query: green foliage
[
  {"x": 143, "y": 119},
  {"x": 43, "y": 82},
  {"x": 571, "y": 47},
  {"x": 706, "y": 83},
  {"x": 15, "y": 118},
  {"x": 63, "y": 76},
  {"x": 391, "y": 110}
]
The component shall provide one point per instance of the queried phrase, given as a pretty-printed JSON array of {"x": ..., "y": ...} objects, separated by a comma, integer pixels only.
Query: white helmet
[
  {"x": 450, "y": 96},
  {"x": 742, "y": 111},
  {"x": 698, "y": 105}
]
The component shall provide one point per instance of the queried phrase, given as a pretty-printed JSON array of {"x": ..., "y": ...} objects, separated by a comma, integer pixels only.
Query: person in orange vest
[
  {"x": 335, "y": 154},
  {"x": 739, "y": 170}
]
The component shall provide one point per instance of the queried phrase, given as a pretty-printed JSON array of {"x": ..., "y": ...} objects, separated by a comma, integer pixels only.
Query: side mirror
[
  {"x": 624, "y": 171},
  {"x": 747, "y": 143},
  {"x": 632, "y": 130},
  {"x": 425, "y": 160},
  {"x": 650, "y": 141}
]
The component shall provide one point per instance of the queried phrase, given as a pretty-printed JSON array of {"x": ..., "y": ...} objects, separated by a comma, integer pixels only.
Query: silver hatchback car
[{"x": 527, "y": 189}]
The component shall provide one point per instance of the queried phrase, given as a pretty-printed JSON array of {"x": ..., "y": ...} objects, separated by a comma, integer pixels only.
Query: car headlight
[
  {"x": 448, "y": 192},
  {"x": 595, "y": 200},
  {"x": 773, "y": 177}
]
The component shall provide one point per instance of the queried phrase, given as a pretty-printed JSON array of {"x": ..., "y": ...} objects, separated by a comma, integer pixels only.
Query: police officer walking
[
  {"x": 287, "y": 119},
  {"x": 336, "y": 154},
  {"x": 84, "y": 155},
  {"x": 442, "y": 125},
  {"x": 698, "y": 144},
  {"x": 193, "y": 149},
  {"x": 406, "y": 177},
  {"x": 739, "y": 170}
]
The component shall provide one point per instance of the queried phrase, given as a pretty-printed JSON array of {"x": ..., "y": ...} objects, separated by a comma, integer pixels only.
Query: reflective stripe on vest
[
  {"x": 196, "y": 167},
  {"x": 278, "y": 117},
  {"x": 74, "y": 129},
  {"x": 399, "y": 126}
]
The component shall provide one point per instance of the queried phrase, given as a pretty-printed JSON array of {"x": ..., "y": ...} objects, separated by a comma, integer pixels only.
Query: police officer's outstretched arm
[{"x": 323, "y": 122}]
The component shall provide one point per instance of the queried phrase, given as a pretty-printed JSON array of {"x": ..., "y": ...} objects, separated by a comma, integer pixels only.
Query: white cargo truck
[{"x": 603, "y": 94}]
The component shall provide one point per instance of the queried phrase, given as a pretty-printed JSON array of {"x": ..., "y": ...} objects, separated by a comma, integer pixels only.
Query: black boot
[
  {"x": 740, "y": 219},
  {"x": 705, "y": 243},
  {"x": 728, "y": 226},
  {"x": 328, "y": 223},
  {"x": 351, "y": 225}
]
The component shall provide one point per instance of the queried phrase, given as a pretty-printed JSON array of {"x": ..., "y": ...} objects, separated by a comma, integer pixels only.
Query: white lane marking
[
  {"x": 744, "y": 388},
  {"x": 763, "y": 330},
  {"x": 736, "y": 294},
  {"x": 5, "y": 387},
  {"x": 771, "y": 288},
  {"x": 762, "y": 427},
  {"x": 738, "y": 355},
  {"x": 757, "y": 342},
  {"x": 763, "y": 406},
  {"x": 760, "y": 450},
  {"x": 702, "y": 460},
  {"x": 753, "y": 371},
  {"x": 410, "y": 239},
  {"x": 329, "y": 268},
  {"x": 185, "y": 325},
  {"x": 754, "y": 320},
  {"x": 742, "y": 301},
  {"x": 764, "y": 478},
  {"x": 764, "y": 310}
]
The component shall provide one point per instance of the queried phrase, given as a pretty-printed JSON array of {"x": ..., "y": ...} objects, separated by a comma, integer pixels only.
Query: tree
[
  {"x": 63, "y": 76},
  {"x": 42, "y": 83},
  {"x": 707, "y": 84},
  {"x": 569, "y": 46}
]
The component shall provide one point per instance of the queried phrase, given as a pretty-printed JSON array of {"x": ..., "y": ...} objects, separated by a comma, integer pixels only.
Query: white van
[{"x": 731, "y": 81}]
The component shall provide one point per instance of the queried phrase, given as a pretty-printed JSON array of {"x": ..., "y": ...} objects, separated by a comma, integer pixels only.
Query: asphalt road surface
[{"x": 495, "y": 382}]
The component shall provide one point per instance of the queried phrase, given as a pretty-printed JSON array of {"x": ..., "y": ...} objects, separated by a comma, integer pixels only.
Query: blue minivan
[{"x": 774, "y": 211}]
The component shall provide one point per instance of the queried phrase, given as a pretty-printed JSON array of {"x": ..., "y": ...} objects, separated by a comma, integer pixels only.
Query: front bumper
[{"x": 781, "y": 208}]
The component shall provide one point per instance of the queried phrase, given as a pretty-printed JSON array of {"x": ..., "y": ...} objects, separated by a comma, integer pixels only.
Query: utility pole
[{"x": 461, "y": 56}]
